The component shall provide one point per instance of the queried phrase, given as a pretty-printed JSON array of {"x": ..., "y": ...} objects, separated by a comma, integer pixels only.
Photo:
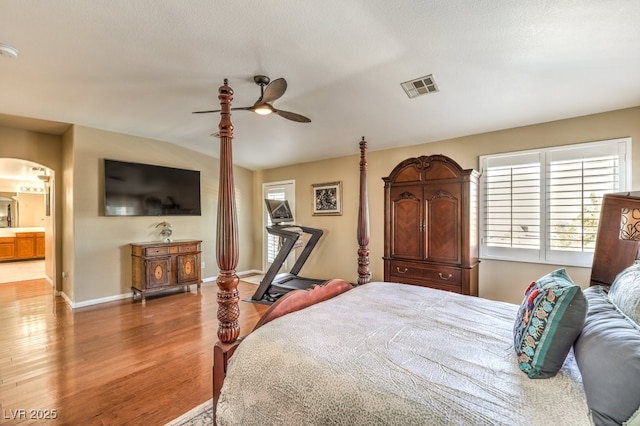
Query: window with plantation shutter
[
  {"x": 544, "y": 205},
  {"x": 284, "y": 190},
  {"x": 272, "y": 240},
  {"x": 512, "y": 202}
]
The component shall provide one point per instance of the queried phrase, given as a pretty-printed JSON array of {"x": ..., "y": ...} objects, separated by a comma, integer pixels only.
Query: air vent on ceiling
[{"x": 420, "y": 86}]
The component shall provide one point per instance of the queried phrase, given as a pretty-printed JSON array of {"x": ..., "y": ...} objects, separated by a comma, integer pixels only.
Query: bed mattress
[{"x": 394, "y": 354}]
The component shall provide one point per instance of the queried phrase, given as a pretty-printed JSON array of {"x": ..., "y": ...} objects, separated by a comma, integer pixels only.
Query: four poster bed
[{"x": 388, "y": 353}]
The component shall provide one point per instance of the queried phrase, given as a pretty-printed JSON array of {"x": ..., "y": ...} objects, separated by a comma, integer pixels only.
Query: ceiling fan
[{"x": 269, "y": 92}]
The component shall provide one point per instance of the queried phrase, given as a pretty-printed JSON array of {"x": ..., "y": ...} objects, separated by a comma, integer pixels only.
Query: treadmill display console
[{"x": 279, "y": 211}]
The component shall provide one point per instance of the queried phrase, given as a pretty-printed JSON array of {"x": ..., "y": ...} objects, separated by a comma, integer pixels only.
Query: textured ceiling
[{"x": 141, "y": 67}]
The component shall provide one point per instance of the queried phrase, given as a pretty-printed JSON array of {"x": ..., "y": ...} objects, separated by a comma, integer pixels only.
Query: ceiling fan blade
[
  {"x": 273, "y": 91},
  {"x": 218, "y": 110},
  {"x": 205, "y": 112},
  {"x": 292, "y": 116}
]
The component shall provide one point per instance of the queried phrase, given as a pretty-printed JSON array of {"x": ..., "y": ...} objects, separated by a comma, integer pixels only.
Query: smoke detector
[
  {"x": 8, "y": 51},
  {"x": 420, "y": 86}
]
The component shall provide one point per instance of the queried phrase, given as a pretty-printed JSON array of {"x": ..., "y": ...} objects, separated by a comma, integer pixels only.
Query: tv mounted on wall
[{"x": 134, "y": 189}]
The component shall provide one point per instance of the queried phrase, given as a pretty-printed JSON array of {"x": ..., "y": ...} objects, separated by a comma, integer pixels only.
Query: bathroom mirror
[{"x": 19, "y": 210}]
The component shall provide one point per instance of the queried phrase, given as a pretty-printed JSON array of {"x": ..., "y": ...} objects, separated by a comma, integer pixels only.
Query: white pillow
[
  {"x": 625, "y": 292},
  {"x": 634, "y": 420}
]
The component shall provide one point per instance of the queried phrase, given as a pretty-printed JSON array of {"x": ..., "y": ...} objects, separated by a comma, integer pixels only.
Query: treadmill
[{"x": 274, "y": 285}]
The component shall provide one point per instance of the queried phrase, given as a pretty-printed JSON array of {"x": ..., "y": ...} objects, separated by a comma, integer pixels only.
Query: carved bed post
[
  {"x": 226, "y": 250},
  {"x": 364, "y": 273},
  {"x": 227, "y": 230}
]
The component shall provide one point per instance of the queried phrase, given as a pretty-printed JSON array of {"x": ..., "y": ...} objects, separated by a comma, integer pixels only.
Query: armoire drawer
[
  {"x": 425, "y": 283},
  {"x": 444, "y": 275}
]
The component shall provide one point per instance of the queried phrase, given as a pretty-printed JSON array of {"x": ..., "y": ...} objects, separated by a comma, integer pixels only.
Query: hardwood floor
[{"x": 111, "y": 364}]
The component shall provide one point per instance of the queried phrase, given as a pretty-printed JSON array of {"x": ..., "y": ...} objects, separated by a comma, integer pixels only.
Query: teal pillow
[{"x": 549, "y": 320}]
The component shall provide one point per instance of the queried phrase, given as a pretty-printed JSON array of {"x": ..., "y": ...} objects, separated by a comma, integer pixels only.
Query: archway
[{"x": 26, "y": 211}]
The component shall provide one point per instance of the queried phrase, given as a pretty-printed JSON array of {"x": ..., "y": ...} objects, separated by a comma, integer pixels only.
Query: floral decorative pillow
[{"x": 549, "y": 320}]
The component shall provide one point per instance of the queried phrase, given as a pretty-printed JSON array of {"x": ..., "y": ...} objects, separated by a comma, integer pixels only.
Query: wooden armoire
[{"x": 431, "y": 224}]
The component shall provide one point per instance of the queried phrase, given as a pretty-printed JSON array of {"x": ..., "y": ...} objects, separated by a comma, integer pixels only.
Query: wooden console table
[{"x": 158, "y": 266}]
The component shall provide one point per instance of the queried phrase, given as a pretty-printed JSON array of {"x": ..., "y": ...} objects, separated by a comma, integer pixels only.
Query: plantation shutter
[
  {"x": 512, "y": 204},
  {"x": 577, "y": 181},
  {"x": 272, "y": 240},
  {"x": 544, "y": 205}
]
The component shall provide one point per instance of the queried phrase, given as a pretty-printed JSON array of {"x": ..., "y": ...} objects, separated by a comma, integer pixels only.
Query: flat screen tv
[
  {"x": 134, "y": 189},
  {"x": 279, "y": 211}
]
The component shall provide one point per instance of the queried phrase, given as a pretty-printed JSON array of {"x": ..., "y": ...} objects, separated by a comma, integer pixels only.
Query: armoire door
[
  {"x": 407, "y": 222},
  {"x": 443, "y": 225}
]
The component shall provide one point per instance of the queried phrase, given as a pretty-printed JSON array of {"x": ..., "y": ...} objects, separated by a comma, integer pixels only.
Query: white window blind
[
  {"x": 273, "y": 241},
  {"x": 544, "y": 205},
  {"x": 512, "y": 199}
]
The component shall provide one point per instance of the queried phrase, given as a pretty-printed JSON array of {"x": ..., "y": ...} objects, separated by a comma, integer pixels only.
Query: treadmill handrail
[
  {"x": 289, "y": 239},
  {"x": 308, "y": 248}
]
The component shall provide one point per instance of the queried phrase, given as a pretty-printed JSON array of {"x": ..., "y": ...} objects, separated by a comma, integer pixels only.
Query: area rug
[
  {"x": 253, "y": 279},
  {"x": 199, "y": 416}
]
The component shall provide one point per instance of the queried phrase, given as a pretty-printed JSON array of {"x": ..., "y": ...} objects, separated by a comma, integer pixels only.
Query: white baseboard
[
  {"x": 91, "y": 302},
  {"x": 65, "y": 297}
]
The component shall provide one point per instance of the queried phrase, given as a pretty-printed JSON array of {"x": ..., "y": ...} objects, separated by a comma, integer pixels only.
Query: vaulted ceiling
[{"x": 141, "y": 67}]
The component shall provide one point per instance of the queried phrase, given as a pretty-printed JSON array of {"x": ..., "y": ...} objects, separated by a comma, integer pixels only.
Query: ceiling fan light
[
  {"x": 263, "y": 110},
  {"x": 8, "y": 51}
]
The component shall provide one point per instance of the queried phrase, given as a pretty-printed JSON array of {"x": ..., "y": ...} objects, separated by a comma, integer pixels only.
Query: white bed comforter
[{"x": 391, "y": 354}]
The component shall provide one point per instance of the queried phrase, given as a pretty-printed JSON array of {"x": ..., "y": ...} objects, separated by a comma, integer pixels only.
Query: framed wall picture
[{"x": 327, "y": 199}]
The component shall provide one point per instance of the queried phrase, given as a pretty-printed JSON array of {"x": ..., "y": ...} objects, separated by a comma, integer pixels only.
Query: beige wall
[
  {"x": 32, "y": 211},
  {"x": 93, "y": 250},
  {"x": 336, "y": 254},
  {"x": 65, "y": 202},
  {"x": 101, "y": 263}
]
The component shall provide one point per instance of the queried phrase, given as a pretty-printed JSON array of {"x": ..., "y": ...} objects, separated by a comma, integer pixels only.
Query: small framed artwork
[{"x": 327, "y": 199}]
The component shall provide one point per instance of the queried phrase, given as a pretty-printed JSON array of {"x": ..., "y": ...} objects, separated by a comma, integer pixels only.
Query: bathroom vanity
[{"x": 21, "y": 243}]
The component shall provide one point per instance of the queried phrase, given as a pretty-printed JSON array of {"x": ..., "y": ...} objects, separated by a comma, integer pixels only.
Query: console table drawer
[
  {"x": 156, "y": 251},
  {"x": 189, "y": 248}
]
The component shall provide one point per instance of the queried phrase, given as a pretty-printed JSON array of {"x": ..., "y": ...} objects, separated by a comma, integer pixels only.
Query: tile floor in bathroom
[{"x": 21, "y": 271}]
